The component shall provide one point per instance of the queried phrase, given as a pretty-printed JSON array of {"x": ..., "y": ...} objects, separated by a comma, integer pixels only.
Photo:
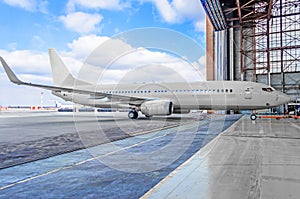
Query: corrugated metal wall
[{"x": 220, "y": 40}]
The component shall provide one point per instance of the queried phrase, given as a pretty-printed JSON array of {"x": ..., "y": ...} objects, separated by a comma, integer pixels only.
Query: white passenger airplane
[{"x": 158, "y": 98}]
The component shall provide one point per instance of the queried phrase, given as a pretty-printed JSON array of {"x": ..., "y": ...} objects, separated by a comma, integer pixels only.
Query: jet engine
[{"x": 157, "y": 107}]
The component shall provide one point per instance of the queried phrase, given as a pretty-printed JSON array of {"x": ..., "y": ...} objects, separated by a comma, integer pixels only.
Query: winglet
[{"x": 11, "y": 75}]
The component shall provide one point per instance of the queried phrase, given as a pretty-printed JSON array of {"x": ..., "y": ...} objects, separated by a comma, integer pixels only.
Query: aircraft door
[{"x": 248, "y": 93}]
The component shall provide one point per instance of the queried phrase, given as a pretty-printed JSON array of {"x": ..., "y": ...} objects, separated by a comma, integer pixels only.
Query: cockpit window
[{"x": 268, "y": 89}]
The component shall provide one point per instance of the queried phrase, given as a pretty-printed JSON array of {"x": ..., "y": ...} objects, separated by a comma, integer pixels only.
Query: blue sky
[{"x": 75, "y": 28}]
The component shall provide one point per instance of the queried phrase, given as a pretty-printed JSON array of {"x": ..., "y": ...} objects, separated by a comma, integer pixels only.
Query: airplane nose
[{"x": 285, "y": 98}]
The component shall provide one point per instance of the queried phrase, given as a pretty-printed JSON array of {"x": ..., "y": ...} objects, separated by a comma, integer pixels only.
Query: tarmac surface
[
  {"x": 29, "y": 136},
  {"x": 251, "y": 159},
  {"x": 60, "y": 155}
]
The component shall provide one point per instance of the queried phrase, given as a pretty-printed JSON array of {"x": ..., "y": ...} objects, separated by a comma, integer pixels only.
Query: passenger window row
[{"x": 172, "y": 91}]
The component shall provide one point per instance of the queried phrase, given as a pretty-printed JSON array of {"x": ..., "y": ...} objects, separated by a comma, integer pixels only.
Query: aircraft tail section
[{"x": 61, "y": 74}]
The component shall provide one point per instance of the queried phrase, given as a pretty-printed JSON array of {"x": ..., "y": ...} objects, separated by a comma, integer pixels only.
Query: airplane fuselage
[{"x": 216, "y": 95}]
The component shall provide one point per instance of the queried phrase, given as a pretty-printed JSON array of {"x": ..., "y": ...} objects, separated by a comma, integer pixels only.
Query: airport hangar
[{"x": 256, "y": 40}]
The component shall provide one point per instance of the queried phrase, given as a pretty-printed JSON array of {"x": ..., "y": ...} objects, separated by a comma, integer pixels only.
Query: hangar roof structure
[{"x": 225, "y": 14}]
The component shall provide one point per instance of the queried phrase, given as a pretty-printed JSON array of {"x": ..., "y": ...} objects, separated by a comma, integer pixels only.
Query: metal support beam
[
  {"x": 239, "y": 11},
  {"x": 241, "y": 55},
  {"x": 268, "y": 42},
  {"x": 270, "y": 9},
  {"x": 281, "y": 52},
  {"x": 268, "y": 52}
]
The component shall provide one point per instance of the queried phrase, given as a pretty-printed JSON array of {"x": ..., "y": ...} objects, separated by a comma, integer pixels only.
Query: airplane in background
[{"x": 158, "y": 98}]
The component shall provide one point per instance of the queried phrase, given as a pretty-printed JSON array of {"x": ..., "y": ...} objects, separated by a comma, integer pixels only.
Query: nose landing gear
[{"x": 253, "y": 116}]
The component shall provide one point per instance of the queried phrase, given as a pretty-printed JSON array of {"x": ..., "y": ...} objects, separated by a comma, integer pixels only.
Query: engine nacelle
[{"x": 157, "y": 107}]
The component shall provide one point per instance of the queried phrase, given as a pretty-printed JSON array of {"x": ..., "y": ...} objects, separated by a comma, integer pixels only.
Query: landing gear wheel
[
  {"x": 133, "y": 114},
  {"x": 253, "y": 117}
]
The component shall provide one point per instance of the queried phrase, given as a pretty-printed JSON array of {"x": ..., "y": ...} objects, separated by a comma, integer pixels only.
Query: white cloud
[
  {"x": 85, "y": 22},
  {"x": 12, "y": 94},
  {"x": 30, "y": 66},
  {"x": 38, "y": 41},
  {"x": 84, "y": 45},
  {"x": 26, "y": 4},
  {"x": 33, "y": 66},
  {"x": 42, "y": 7},
  {"x": 12, "y": 46},
  {"x": 178, "y": 11},
  {"x": 122, "y": 63},
  {"x": 141, "y": 56},
  {"x": 188, "y": 10},
  {"x": 29, "y": 5},
  {"x": 99, "y": 58},
  {"x": 26, "y": 61},
  {"x": 111, "y": 55},
  {"x": 200, "y": 26},
  {"x": 81, "y": 22},
  {"x": 95, "y": 4},
  {"x": 79, "y": 50},
  {"x": 143, "y": 65},
  {"x": 114, "y": 59},
  {"x": 167, "y": 11},
  {"x": 134, "y": 65}
]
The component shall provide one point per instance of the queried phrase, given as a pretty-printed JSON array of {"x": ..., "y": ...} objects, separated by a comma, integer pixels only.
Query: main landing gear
[
  {"x": 253, "y": 116},
  {"x": 133, "y": 114}
]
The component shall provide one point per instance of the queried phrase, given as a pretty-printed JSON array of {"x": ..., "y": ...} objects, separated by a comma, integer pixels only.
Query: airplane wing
[{"x": 93, "y": 94}]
